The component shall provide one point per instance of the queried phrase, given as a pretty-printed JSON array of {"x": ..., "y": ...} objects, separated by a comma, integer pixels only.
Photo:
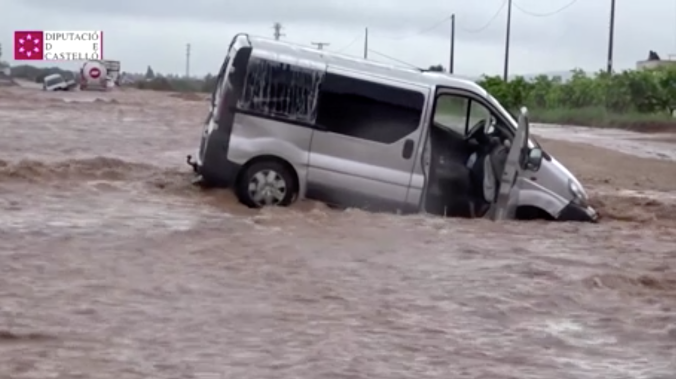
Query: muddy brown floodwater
[{"x": 113, "y": 266}]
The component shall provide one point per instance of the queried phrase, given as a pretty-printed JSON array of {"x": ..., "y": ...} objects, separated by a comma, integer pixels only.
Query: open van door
[
  {"x": 507, "y": 198},
  {"x": 211, "y": 160}
]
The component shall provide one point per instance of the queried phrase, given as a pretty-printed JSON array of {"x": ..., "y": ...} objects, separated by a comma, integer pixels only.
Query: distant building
[{"x": 654, "y": 61}]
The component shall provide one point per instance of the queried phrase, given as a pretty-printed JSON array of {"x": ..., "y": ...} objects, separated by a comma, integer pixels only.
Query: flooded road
[
  {"x": 653, "y": 145},
  {"x": 113, "y": 266}
]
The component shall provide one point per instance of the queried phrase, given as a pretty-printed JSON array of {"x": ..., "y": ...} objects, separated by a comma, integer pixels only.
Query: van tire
[{"x": 268, "y": 169}]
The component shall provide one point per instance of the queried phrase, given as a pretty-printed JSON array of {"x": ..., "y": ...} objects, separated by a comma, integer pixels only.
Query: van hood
[{"x": 563, "y": 169}]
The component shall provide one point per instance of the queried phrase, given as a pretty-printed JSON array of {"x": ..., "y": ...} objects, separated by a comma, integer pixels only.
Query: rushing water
[{"x": 113, "y": 266}]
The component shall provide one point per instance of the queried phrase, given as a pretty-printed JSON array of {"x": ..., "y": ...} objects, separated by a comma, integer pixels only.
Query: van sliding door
[{"x": 363, "y": 151}]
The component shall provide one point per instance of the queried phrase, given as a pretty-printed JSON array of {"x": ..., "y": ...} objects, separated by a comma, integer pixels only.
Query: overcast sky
[{"x": 142, "y": 32}]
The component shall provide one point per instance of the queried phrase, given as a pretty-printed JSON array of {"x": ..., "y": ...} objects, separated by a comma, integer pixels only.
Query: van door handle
[{"x": 408, "y": 149}]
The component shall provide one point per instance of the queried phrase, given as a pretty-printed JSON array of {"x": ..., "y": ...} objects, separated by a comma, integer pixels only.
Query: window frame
[{"x": 469, "y": 102}]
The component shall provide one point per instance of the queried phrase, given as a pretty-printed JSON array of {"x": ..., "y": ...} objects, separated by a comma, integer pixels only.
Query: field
[
  {"x": 636, "y": 100},
  {"x": 114, "y": 266}
]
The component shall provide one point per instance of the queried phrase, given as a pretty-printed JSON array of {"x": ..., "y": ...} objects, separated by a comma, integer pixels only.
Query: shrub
[{"x": 640, "y": 91}]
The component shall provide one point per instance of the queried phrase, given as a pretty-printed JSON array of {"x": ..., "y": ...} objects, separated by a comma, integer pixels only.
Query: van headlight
[{"x": 579, "y": 196}]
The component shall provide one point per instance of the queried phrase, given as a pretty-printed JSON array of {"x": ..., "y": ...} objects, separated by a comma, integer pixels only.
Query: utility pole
[
  {"x": 452, "y": 56},
  {"x": 611, "y": 38},
  {"x": 187, "y": 61},
  {"x": 366, "y": 43},
  {"x": 505, "y": 75},
  {"x": 320, "y": 45},
  {"x": 278, "y": 30}
]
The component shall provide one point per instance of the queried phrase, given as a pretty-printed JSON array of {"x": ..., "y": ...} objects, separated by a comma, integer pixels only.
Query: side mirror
[{"x": 534, "y": 159}]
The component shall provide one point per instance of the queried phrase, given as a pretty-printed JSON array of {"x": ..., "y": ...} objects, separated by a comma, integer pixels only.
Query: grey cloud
[
  {"x": 391, "y": 18},
  {"x": 574, "y": 37},
  {"x": 387, "y": 18},
  {"x": 393, "y": 14}
]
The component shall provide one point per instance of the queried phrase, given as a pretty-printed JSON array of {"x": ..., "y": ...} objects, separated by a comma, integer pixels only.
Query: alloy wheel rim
[{"x": 267, "y": 187}]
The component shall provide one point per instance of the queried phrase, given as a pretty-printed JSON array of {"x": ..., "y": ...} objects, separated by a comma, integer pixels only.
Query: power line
[
  {"x": 451, "y": 57},
  {"x": 505, "y": 75},
  {"x": 546, "y": 14},
  {"x": 611, "y": 37},
  {"x": 421, "y": 31},
  {"x": 349, "y": 45},
  {"x": 187, "y": 61},
  {"x": 393, "y": 59},
  {"x": 490, "y": 21}
]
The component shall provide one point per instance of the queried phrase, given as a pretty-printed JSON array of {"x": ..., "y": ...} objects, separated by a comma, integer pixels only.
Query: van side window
[
  {"x": 281, "y": 90},
  {"x": 368, "y": 110},
  {"x": 459, "y": 113}
]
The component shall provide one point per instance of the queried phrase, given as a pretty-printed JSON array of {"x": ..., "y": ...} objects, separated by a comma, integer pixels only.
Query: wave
[
  {"x": 103, "y": 168},
  {"x": 661, "y": 280},
  {"x": 611, "y": 206},
  {"x": 619, "y": 207}
]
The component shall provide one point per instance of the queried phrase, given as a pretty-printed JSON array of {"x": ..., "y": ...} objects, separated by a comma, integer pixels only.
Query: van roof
[
  {"x": 337, "y": 60},
  {"x": 53, "y": 76}
]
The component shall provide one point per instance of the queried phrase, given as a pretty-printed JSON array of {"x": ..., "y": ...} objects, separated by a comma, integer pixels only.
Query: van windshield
[{"x": 512, "y": 119}]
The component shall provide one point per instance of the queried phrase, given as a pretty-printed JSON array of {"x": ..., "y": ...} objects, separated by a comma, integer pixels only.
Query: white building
[{"x": 654, "y": 61}]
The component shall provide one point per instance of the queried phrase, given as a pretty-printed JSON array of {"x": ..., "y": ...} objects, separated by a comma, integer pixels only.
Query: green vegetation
[
  {"x": 643, "y": 100},
  {"x": 177, "y": 84},
  {"x": 149, "y": 81},
  {"x": 38, "y": 74}
]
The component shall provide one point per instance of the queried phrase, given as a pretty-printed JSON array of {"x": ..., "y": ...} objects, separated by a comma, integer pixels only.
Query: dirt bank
[{"x": 621, "y": 186}]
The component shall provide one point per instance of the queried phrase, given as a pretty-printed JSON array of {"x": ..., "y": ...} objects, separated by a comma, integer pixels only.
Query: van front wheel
[{"x": 267, "y": 183}]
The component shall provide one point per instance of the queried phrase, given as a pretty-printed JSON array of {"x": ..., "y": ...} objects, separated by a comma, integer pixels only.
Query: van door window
[
  {"x": 281, "y": 90},
  {"x": 368, "y": 110},
  {"x": 459, "y": 113}
]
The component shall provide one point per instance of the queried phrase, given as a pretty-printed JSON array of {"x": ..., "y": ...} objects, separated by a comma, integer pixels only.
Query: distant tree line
[
  {"x": 159, "y": 82},
  {"x": 37, "y": 74},
  {"x": 149, "y": 81}
]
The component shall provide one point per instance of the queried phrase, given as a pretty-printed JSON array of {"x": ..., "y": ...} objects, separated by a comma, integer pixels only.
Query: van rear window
[{"x": 281, "y": 90}]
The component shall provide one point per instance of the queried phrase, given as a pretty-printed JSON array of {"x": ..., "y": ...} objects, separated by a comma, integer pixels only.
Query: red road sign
[{"x": 94, "y": 73}]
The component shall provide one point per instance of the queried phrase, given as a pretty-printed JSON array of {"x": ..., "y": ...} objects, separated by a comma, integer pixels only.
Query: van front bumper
[{"x": 576, "y": 212}]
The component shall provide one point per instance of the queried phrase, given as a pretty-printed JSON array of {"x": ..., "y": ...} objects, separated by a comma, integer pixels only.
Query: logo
[
  {"x": 28, "y": 45},
  {"x": 94, "y": 73}
]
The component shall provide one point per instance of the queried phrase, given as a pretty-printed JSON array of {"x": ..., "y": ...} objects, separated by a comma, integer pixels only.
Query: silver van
[
  {"x": 288, "y": 122},
  {"x": 54, "y": 82}
]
